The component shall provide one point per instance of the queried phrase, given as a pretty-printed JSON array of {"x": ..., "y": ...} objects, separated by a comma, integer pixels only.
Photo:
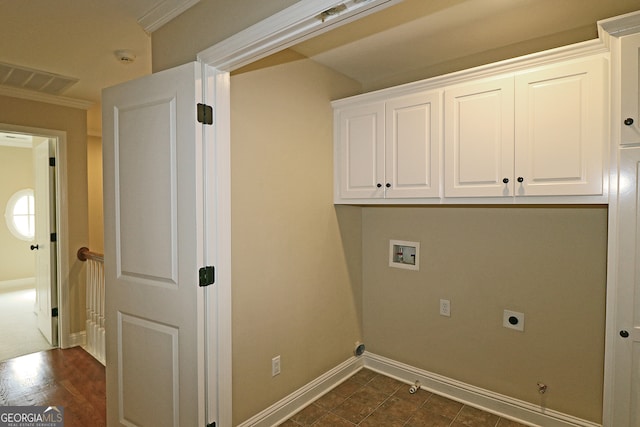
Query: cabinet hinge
[
  {"x": 54, "y": 312},
  {"x": 54, "y": 237},
  {"x": 207, "y": 275},
  {"x": 205, "y": 114},
  {"x": 52, "y": 161}
]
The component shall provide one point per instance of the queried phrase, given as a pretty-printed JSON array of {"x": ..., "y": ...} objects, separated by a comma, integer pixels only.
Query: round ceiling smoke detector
[{"x": 125, "y": 56}]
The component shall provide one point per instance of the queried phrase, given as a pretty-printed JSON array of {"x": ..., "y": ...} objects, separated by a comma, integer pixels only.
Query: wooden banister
[{"x": 85, "y": 254}]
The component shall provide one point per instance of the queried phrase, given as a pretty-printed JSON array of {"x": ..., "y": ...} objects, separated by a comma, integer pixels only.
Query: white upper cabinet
[
  {"x": 532, "y": 130},
  {"x": 539, "y": 132},
  {"x": 560, "y": 129},
  {"x": 479, "y": 139},
  {"x": 630, "y": 95},
  {"x": 389, "y": 149}
]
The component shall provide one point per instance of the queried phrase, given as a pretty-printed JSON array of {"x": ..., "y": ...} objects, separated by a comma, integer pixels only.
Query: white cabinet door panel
[
  {"x": 361, "y": 151},
  {"x": 630, "y": 77},
  {"x": 413, "y": 138},
  {"x": 560, "y": 129},
  {"x": 479, "y": 139},
  {"x": 626, "y": 381}
]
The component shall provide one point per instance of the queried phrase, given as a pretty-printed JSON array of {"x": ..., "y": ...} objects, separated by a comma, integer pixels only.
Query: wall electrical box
[{"x": 403, "y": 254}]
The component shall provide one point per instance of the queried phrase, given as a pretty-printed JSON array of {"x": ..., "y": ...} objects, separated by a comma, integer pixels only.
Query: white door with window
[
  {"x": 154, "y": 213},
  {"x": 43, "y": 246}
]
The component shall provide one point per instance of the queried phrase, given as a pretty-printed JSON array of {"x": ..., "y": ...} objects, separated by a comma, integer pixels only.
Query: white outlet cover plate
[
  {"x": 518, "y": 326},
  {"x": 445, "y": 307}
]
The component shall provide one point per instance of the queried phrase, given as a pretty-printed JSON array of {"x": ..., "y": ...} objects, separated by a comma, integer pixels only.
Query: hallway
[{"x": 70, "y": 378}]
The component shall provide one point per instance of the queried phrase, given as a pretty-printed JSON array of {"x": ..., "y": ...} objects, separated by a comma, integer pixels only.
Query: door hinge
[
  {"x": 54, "y": 238},
  {"x": 54, "y": 312},
  {"x": 52, "y": 161},
  {"x": 207, "y": 275},
  {"x": 205, "y": 114}
]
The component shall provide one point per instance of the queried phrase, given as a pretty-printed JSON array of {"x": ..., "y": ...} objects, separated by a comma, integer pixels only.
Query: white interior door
[
  {"x": 626, "y": 393},
  {"x": 153, "y": 201},
  {"x": 46, "y": 290}
]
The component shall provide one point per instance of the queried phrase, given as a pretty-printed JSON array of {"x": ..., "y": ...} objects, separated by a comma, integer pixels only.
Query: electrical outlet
[
  {"x": 445, "y": 307},
  {"x": 513, "y": 320},
  {"x": 275, "y": 366}
]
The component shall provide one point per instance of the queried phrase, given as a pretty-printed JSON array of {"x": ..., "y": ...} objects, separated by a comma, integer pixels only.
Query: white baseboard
[
  {"x": 26, "y": 283},
  {"x": 501, "y": 405},
  {"x": 285, "y": 408},
  {"x": 504, "y": 406},
  {"x": 77, "y": 339}
]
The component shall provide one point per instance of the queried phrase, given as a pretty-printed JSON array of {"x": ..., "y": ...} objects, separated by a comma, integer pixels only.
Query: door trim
[
  {"x": 290, "y": 26},
  {"x": 271, "y": 35},
  {"x": 65, "y": 339},
  {"x": 284, "y": 29}
]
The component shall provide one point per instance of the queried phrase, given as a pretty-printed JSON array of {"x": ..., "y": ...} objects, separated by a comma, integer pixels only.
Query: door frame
[
  {"x": 275, "y": 33},
  {"x": 62, "y": 225},
  {"x": 610, "y": 30}
]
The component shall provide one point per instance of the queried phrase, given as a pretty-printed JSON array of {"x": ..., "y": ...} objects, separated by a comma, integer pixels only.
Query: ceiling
[
  {"x": 417, "y": 39},
  {"x": 411, "y": 40}
]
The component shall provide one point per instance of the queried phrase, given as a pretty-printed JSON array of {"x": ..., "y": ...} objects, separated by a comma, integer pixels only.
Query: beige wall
[
  {"x": 310, "y": 278},
  {"x": 94, "y": 184},
  {"x": 548, "y": 263},
  {"x": 73, "y": 121},
  {"x": 296, "y": 260},
  {"x": 205, "y": 24},
  {"x": 16, "y": 173}
]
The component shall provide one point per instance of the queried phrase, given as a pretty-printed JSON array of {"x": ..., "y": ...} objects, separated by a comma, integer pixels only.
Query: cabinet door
[
  {"x": 361, "y": 152},
  {"x": 479, "y": 139},
  {"x": 626, "y": 335},
  {"x": 560, "y": 129},
  {"x": 630, "y": 81},
  {"x": 412, "y": 146}
]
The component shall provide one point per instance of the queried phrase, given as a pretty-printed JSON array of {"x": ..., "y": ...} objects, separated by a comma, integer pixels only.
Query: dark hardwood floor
[{"x": 68, "y": 378}]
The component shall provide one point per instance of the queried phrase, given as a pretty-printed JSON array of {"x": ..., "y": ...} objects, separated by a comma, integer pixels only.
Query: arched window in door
[{"x": 20, "y": 214}]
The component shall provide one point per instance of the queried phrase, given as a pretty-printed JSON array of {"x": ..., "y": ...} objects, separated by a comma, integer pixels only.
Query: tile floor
[{"x": 369, "y": 399}]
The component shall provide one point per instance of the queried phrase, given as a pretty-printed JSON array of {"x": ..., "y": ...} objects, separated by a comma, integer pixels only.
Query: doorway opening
[{"x": 29, "y": 197}]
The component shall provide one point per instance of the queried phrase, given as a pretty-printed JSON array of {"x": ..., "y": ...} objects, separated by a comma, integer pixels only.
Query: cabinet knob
[
  {"x": 378, "y": 185},
  {"x": 35, "y": 247},
  {"x": 388, "y": 185},
  {"x": 628, "y": 121},
  {"x": 505, "y": 180},
  {"x": 624, "y": 334},
  {"x": 520, "y": 179}
]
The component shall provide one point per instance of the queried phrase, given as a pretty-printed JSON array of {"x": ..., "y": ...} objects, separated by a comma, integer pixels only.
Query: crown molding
[
  {"x": 164, "y": 12},
  {"x": 299, "y": 22},
  {"x": 621, "y": 25},
  {"x": 44, "y": 97}
]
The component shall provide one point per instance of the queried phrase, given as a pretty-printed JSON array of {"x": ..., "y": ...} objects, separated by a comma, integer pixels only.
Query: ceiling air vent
[{"x": 41, "y": 81}]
